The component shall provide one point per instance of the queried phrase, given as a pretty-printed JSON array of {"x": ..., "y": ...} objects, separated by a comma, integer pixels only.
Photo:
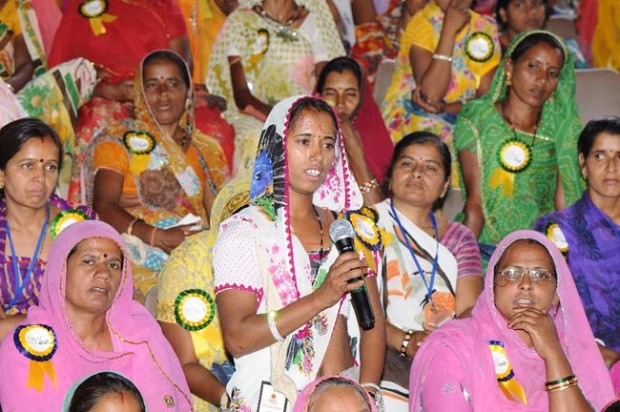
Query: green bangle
[{"x": 559, "y": 381}]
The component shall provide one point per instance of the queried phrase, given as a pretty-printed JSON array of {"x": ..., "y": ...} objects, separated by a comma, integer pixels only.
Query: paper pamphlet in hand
[{"x": 188, "y": 220}]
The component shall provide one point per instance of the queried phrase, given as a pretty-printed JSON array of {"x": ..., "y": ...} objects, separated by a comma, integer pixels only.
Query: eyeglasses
[{"x": 515, "y": 274}]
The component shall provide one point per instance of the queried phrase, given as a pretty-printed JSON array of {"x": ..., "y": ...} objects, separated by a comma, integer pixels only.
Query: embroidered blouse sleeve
[
  {"x": 235, "y": 262},
  {"x": 443, "y": 388}
]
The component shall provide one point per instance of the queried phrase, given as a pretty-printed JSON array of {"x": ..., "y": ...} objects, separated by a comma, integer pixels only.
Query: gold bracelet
[
  {"x": 10, "y": 86},
  {"x": 443, "y": 57},
  {"x": 368, "y": 186},
  {"x": 562, "y": 387},
  {"x": 561, "y": 384},
  {"x": 129, "y": 230}
]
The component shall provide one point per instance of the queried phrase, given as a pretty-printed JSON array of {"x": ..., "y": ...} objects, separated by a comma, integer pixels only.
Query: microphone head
[{"x": 341, "y": 229}]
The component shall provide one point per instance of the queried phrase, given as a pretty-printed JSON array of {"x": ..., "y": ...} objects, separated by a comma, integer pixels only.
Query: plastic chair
[
  {"x": 597, "y": 92},
  {"x": 562, "y": 26},
  {"x": 383, "y": 79}
]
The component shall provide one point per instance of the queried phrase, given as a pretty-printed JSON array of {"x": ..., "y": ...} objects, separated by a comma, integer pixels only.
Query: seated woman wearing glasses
[{"x": 526, "y": 347}]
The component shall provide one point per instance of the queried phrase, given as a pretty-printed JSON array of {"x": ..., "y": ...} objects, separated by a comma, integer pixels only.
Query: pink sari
[
  {"x": 467, "y": 344},
  {"x": 141, "y": 353}
]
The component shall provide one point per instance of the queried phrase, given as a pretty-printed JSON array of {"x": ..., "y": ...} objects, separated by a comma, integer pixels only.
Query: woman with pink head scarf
[
  {"x": 87, "y": 322},
  {"x": 527, "y": 346}
]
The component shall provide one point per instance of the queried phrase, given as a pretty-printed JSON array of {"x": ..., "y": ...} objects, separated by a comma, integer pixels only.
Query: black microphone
[{"x": 341, "y": 233}]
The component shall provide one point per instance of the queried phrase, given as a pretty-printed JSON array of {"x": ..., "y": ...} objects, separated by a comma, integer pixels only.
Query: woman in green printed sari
[{"x": 517, "y": 145}]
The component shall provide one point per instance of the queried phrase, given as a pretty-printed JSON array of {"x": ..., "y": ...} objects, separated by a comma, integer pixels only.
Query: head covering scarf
[
  {"x": 163, "y": 150},
  {"x": 140, "y": 350},
  {"x": 370, "y": 126},
  {"x": 560, "y": 116},
  {"x": 338, "y": 191},
  {"x": 469, "y": 340},
  {"x": 303, "y": 400}
]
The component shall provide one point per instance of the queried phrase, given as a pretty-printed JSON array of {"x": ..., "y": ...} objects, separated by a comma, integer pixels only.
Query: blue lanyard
[
  {"x": 17, "y": 274},
  {"x": 431, "y": 283}
]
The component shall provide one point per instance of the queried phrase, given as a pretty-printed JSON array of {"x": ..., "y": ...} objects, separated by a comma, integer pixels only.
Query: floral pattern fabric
[{"x": 424, "y": 30}]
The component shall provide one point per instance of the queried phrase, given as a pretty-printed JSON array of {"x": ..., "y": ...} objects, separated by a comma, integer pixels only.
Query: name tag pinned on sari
[
  {"x": 271, "y": 400},
  {"x": 194, "y": 309}
]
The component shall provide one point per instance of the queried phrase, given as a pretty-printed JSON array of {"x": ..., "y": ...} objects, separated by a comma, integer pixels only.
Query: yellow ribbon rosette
[
  {"x": 506, "y": 379},
  {"x": 140, "y": 144},
  {"x": 95, "y": 12},
  {"x": 37, "y": 343},
  {"x": 261, "y": 46},
  {"x": 194, "y": 310},
  {"x": 514, "y": 157},
  {"x": 555, "y": 234},
  {"x": 369, "y": 237},
  {"x": 65, "y": 219}
]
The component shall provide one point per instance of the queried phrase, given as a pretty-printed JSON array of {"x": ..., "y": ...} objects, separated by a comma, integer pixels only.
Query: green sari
[{"x": 514, "y": 199}]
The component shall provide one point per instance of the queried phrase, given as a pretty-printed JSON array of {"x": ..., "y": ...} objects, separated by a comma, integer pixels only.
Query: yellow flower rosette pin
[
  {"x": 65, "y": 219},
  {"x": 479, "y": 47},
  {"x": 96, "y": 13},
  {"x": 369, "y": 237},
  {"x": 37, "y": 343},
  {"x": 514, "y": 157},
  {"x": 140, "y": 144},
  {"x": 555, "y": 234},
  {"x": 506, "y": 379},
  {"x": 194, "y": 310}
]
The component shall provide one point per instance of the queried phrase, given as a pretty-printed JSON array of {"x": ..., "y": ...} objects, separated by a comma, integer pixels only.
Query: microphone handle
[
  {"x": 362, "y": 308},
  {"x": 359, "y": 296}
]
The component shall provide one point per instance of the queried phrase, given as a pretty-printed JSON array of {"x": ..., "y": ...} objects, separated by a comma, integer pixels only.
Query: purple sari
[{"x": 592, "y": 249}]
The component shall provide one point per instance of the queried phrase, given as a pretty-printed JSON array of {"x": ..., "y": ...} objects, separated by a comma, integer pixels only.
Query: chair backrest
[
  {"x": 597, "y": 92},
  {"x": 562, "y": 26},
  {"x": 383, "y": 79}
]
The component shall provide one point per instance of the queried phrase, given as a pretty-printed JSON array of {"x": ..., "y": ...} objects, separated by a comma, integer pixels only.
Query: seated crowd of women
[{"x": 306, "y": 264}]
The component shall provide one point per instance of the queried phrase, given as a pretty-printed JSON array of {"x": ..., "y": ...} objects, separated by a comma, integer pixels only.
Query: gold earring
[{"x": 508, "y": 80}]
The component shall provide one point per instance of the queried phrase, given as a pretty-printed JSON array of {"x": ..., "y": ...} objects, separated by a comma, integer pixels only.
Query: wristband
[
  {"x": 271, "y": 322},
  {"x": 443, "y": 57}
]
